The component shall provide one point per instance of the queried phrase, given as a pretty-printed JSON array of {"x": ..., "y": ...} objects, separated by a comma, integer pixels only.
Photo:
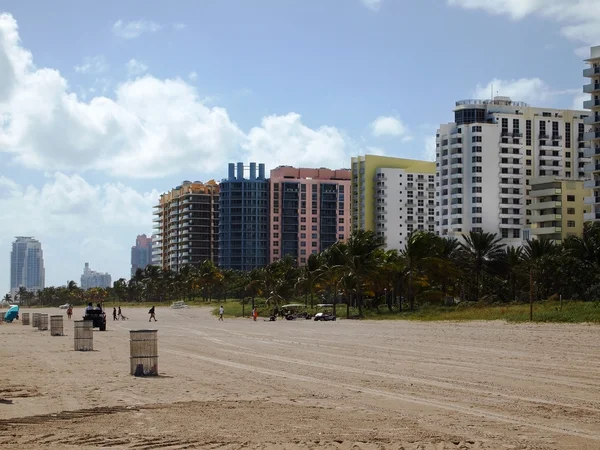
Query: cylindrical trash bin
[
  {"x": 143, "y": 346},
  {"x": 43, "y": 322},
  {"x": 84, "y": 335},
  {"x": 35, "y": 320},
  {"x": 25, "y": 318},
  {"x": 56, "y": 325}
]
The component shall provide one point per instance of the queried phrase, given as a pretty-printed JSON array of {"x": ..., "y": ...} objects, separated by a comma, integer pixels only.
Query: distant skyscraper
[
  {"x": 244, "y": 218},
  {"x": 141, "y": 253},
  {"x": 91, "y": 279},
  {"x": 26, "y": 265}
]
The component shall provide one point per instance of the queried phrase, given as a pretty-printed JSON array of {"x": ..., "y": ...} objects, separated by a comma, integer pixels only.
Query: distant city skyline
[
  {"x": 93, "y": 279},
  {"x": 141, "y": 253},
  {"x": 100, "y": 119}
]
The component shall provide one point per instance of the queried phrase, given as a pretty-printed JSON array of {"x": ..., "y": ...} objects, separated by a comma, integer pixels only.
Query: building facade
[
  {"x": 592, "y": 136},
  {"x": 486, "y": 158},
  {"x": 557, "y": 207},
  {"x": 141, "y": 253},
  {"x": 244, "y": 218},
  {"x": 26, "y": 265},
  {"x": 186, "y": 226},
  {"x": 92, "y": 279},
  {"x": 310, "y": 211},
  {"x": 393, "y": 197}
]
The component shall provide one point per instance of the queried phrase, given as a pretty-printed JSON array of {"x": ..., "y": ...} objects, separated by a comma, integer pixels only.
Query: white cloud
[
  {"x": 179, "y": 26},
  {"x": 135, "y": 67},
  {"x": 534, "y": 91},
  {"x": 373, "y": 5},
  {"x": 390, "y": 126},
  {"x": 286, "y": 140},
  {"x": 66, "y": 213},
  {"x": 135, "y": 28},
  {"x": 93, "y": 65},
  {"x": 429, "y": 148},
  {"x": 192, "y": 76},
  {"x": 530, "y": 90},
  {"x": 579, "y": 19},
  {"x": 151, "y": 128}
]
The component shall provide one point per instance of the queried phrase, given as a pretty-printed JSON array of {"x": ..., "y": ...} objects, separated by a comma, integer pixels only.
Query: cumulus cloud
[
  {"x": 93, "y": 65},
  {"x": 148, "y": 128},
  {"x": 530, "y": 90},
  {"x": 390, "y": 126},
  {"x": 429, "y": 151},
  {"x": 135, "y": 28},
  {"x": 579, "y": 19},
  {"x": 135, "y": 67},
  {"x": 66, "y": 212},
  {"x": 373, "y": 5}
]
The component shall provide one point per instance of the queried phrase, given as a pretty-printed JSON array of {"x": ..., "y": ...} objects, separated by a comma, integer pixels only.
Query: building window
[
  {"x": 275, "y": 235},
  {"x": 275, "y": 243},
  {"x": 302, "y": 227},
  {"x": 314, "y": 244},
  {"x": 340, "y": 236},
  {"x": 571, "y": 223},
  {"x": 314, "y": 220},
  {"x": 302, "y": 219},
  {"x": 570, "y": 198},
  {"x": 516, "y": 234},
  {"x": 476, "y": 139},
  {"x": 276, "y": 227},
  {"x": 302, "y": 235},
  {"x": 341, "y": 228},
  {"x": 314, "y": 228},
  {"x": 570, "y": 210}
]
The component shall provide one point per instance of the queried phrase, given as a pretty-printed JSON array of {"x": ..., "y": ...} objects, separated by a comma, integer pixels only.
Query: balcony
[
  {"x": 509, "y": 216},
  {"x": 591, "y": 200},
  {"x": 591, "y": 135},
  {"x": 591, "y": 88},
  {"x": 592, "y": 184},
  {"x": 591, "y": 216},
  {"x": 550, "y": 157},
  {"x": 591, "y": 104},
  {"x": 510, "y": 195},
  {"x": 511, "y": 225},
  {"x": 545, "y": 205},
  {"x": 544, "y": 136},
  {"x": 511, "y": 165},
  {"x": 591, "y": 71},
  {"x": 592, "y": 120},
  {"x": 546, "y": 230},
  {"x": 545, "y": 192},
  {"x": 594, "y": 168},
  {"x": 545, "y": 218},
  {"x": 591, "y": 152}
]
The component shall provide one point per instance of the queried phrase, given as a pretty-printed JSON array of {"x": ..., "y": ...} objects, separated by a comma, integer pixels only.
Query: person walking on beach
[
  {"x": 115, "y": 313},
  {"x": 69, "y": 312},
  {"x": 221, "y": 312},
  {"x": 255, "y": 314},
  {"x": 152, "y": 316},
  {"x": 120, "y": 314}
]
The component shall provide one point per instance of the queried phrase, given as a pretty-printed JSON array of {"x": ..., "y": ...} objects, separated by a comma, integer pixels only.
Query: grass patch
[{"x": 548, "y": 311}]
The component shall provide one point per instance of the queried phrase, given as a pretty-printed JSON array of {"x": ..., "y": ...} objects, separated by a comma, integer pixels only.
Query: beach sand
[{"x": 303, "y": 385}]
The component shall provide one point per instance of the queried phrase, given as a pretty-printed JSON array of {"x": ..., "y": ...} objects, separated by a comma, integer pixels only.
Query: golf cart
[
  {"x": 326, "y": 315},
  {"x": 295, "y": 311},
  {"x": 98, "y": 317}
]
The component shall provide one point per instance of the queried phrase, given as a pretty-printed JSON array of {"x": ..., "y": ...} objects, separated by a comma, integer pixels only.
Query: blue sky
[{"x": 104, "y": 105}]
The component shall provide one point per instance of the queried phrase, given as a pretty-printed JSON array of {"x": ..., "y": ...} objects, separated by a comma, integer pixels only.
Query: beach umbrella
[{"x": 12, "y": 313}]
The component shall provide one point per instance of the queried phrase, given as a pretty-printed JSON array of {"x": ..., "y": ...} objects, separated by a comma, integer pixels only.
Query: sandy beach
[{"x": 303, "y": 385}]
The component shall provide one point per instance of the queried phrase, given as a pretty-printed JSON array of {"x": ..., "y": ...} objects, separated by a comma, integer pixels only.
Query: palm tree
[
  {"x": 481, "y": 252},
  {"x": 535, "y": 255},
  {"x": 361, "y": 259},
  {"x": 512, "y": 261},
  {"x": 332, "y": 268},
  {"x": 309, "y": 274},
  {"x": 420, "y": 255}
]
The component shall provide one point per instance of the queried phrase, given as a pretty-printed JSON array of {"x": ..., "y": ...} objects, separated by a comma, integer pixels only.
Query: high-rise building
[
  {"x": 393, "y": 197},
  {"x": 310, "y": 210},
  {"x": 186, "y": 226},
  {"x": 592, "y": 137},
  {"x": 141, "y": 253},
  {"x": 244, "y": 218},
  {"x": 487, "y": 157},
  {"x": 26, "y": 265},
  {"x": 92, "y": 279},
  {"x": 557, "y": 207}
]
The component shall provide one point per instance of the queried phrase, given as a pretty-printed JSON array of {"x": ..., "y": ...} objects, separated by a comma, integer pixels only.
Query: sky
[{"x": 105, "y": 105}]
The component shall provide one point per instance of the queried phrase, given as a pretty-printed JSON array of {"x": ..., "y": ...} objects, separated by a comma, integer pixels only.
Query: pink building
[{"x": 310, "y": 211}]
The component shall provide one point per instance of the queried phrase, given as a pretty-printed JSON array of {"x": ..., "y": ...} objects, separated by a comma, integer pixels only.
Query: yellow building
[
  {"x": 557, "y": 207},
  {"x": 186, "y": 225},
  {"x": 392, "y": 196}
]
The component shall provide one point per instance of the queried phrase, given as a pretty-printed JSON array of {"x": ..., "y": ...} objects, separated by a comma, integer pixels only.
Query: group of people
[
  {"x": 222, "y": 311},
  {"x": 118, "y": 314}
]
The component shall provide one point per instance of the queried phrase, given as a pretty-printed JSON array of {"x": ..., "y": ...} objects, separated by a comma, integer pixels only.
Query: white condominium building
[
  {"x": 592, "y": 137},
  {"x": 405, "y": 202},
  {"x": 488, "y": 155}
]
